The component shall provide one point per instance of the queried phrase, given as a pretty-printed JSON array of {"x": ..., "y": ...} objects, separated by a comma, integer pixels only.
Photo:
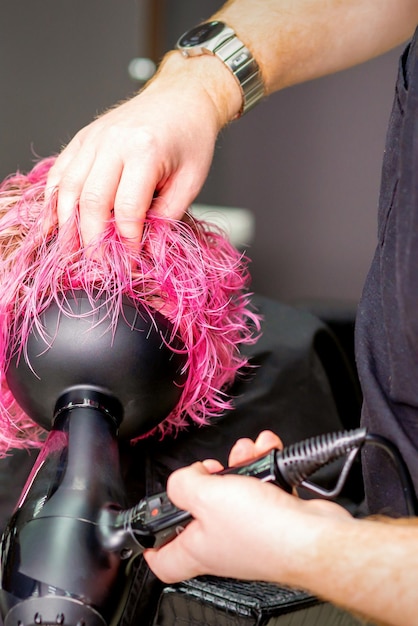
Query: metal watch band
[{"x": 238, "y": 58}]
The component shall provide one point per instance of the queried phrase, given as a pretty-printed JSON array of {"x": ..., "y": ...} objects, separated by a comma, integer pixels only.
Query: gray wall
[
  {"x": 307, "y": 162},
  {"x": 61, "y": 63}
]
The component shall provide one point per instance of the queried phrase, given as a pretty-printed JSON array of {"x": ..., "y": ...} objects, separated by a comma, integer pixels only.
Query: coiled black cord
[
  {"x": 299, "y": 461},
  {"x": 401, "y": 467}
]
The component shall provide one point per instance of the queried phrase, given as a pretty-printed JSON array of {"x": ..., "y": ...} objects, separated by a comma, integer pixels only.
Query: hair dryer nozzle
[{"x": 53, "y": 611}]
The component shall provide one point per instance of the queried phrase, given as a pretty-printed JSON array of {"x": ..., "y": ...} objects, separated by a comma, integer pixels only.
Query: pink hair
[{"x": 186, "y": 269}]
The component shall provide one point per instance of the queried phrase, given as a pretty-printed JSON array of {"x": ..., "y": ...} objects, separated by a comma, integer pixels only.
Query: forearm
[
  {"x": 297, "y": 40},
  {"x": 366, "y": 566},
  {"x": 294, "y": 41}
]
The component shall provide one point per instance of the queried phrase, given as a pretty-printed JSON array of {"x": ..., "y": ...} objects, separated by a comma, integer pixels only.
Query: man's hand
[
  {"x": 152, "y": 152},
  {"x": 242, "y": 527}
]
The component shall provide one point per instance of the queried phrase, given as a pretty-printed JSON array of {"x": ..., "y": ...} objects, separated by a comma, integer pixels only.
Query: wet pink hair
[{"x": 187, "y": 270}]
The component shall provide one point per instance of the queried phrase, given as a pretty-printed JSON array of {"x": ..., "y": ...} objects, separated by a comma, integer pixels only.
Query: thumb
[{"x": 184, "y": 483}]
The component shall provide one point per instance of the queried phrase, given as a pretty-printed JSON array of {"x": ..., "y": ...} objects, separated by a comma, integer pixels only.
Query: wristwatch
[{"x": 219, "y": 39}]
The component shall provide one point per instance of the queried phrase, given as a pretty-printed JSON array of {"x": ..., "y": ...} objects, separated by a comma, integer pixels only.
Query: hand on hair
[{"x": 151, "y": 152}]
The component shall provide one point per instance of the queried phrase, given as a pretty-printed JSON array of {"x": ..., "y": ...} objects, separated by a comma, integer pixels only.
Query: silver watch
[{"x": 219, "y": 39}]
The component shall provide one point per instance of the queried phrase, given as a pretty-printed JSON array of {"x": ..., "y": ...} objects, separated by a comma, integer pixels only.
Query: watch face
[{"x": 200, "y": 34}]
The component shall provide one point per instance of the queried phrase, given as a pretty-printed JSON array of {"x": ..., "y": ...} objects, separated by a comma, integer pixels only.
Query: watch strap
[{"x": 239, "y": 60}]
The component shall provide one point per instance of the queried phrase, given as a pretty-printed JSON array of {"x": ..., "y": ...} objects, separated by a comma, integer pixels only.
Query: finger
[
  {"x": 172, "y": 563},
  {"x": 98, "y": 196},
  {"x": 267, "y": 440},
  {"x": 212, "y": 465},
  {"x": 177, "y": 193},
  {"x": 70, "y": 190},
  {"x": 59, "y": 166},
  {"x": 184, "y": 483},
  {"x": 133, "y": 199},
  {"x": 141, "y": 192},
  {"x": 243, "y": 450},
  {"x": 66, "y": 178}
]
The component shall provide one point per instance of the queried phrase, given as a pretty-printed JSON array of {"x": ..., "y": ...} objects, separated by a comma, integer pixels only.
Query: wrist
[
  {"x": 217, "y": 39},
  {"x": 205, "y": 77},
  {"x": 311, "y": 533}
]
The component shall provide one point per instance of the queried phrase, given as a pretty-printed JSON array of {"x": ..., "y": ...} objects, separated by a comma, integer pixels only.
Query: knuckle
[
  {"x": 91, "y": 200},
  {"x": 69, "y": 183},
  {"x": 146, "y": 139},
  {"x": 142, "y": 140},
  {"x": 127, "y": 208}
]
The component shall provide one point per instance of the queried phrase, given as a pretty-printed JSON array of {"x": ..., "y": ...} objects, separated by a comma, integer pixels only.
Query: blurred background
[{"x": 305, "y": 164}]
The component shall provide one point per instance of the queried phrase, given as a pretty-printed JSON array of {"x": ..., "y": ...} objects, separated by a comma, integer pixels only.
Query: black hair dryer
[{"x": 66, "y": 552}]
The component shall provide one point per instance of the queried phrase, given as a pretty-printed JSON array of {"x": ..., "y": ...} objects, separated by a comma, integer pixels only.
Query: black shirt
[{"x": 387, "y": 324}]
